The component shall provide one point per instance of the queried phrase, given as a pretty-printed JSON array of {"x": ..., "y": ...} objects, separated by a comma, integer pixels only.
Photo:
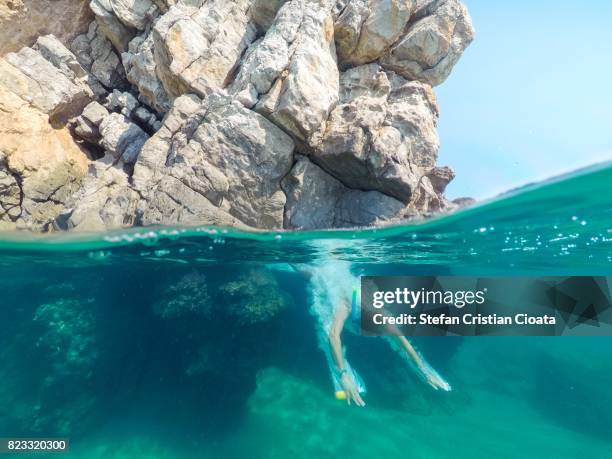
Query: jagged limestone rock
[
  {"x": 45, "y": 164},
  {"x": 366, "y": 29},
  {"x": 215, "y": 162},
  {"x": 316, "y": 200},
  {"x": 104, "y": 200},
  {"x": 197, "y": 49},
  {"x": 263, "y": 12},
  {"x": 141, "y": 69},
  {"x": 382, "y": 134},
  {"x": 88, "y": 124},
  {"x": 10, "y": 194},
  {"x": 120, "y": 20},
  {"x": 122, "y": 138},
  {"x": 437, "y": 36},
  {"x": 291, "y": 75},
  {"x": 48, "y": 77},
  {"x": 122, "y": 102},
  {"x": 23, "y": 21},
  {"x": 242, "y": 84},
  {"x": 95, "y": 53}
]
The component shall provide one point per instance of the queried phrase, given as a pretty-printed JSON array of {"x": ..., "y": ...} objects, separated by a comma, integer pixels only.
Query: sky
[{"x": 531, "y": 97}]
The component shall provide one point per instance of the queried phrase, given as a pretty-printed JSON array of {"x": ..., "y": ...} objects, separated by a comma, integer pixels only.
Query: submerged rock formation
[{"x": 271, "y": 114}]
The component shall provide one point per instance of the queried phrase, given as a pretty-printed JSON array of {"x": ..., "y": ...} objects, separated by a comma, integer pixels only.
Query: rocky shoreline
[{"x": 259, "y": 114}]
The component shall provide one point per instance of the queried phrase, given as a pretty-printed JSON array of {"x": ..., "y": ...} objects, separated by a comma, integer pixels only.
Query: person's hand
[{"x": 351, "y": 390}]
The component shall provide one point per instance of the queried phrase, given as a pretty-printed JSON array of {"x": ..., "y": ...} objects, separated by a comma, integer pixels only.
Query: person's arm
[{"x": 335, "y": 343}]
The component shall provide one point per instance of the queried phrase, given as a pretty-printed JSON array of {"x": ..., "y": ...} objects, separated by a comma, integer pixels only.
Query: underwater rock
[
  {"x": 185, "y": 299},
  {"x": 58, "y": 332},
  {"x": 254, "y": 297}
]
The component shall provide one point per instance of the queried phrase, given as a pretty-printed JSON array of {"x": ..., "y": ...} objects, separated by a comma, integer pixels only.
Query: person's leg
[{"x": 404, "y": 347}]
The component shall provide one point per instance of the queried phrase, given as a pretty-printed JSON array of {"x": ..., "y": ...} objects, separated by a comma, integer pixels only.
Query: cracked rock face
[
  {"x": 315, "y": 200},
  {"x": 216, "y": 162},
  {"x": 382, "y": 133},
  {"x": 301, "y": 95},
  {"x": 48, "y": 77},
  {"x": 261, "y": 114},
  {"x": 23, "y": 21},
  {"x": 366, "y": 29},
  {"x": 437, "y": 36},
  {"x": 40, "y": 167},
  {"x": 96, "y": 54}
]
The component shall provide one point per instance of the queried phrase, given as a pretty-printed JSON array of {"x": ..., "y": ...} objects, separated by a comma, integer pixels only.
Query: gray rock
[
  {"x": 141, "y": 69},
  {"x": 366, "y": 29},
  {"x": 316, "y": 200},
  {"x": 297, "y": 62},
  {"x": 263, "y": 12},
  {"x": 86, "y": 130},
  {"x": 433, "y": 43},
  {"x": 427, "y": 200},
  {"x": 122, "y": 102},
  {"x": 87, "y": 125},
  {"x": 49, "y": 77},
  {"x": 136, "y": 14},
  {"x": 122, "y": 138},
  {"x": 214, "y": 163},
  {"x": 10, "y": 194},
  {"x": 146, "y": 119},
  {"x": 382, "y": 134},
  {"x": 105, "y": 200},
  {"x": 95, "y": 52},
  {"x": 197, "y": 48},
  {"x": 95, "y": 113},
  {"x": 463, "y": 202},
  {"x": 110, "y": 26}
]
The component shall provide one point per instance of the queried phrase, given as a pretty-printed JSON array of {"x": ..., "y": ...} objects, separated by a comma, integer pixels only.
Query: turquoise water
[{"x": 188, "y": 343}]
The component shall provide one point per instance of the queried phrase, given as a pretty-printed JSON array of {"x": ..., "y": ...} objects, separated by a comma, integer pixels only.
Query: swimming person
[
  {"x": 350, "y": 385},
  {"x": 335, "y": 299}
]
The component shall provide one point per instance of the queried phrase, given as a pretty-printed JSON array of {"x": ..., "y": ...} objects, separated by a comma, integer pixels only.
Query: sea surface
[{"x": 201, "y": 343}]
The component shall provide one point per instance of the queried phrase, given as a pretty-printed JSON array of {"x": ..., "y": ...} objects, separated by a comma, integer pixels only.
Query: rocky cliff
[{"x": 261, "y": 114}]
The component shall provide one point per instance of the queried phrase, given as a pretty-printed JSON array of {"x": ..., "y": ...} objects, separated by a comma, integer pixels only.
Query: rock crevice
[{"x": 295, "y": 114}]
